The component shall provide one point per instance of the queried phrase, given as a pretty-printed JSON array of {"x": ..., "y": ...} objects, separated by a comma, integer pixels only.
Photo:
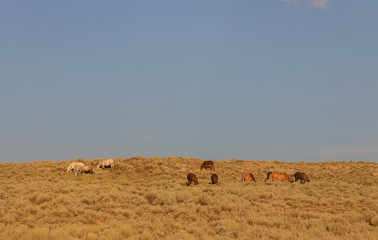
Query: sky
[{"x": 288, "y": 80}]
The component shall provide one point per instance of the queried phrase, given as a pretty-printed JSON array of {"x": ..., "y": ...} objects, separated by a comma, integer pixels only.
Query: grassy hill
[{"x": 146, "y": 198}]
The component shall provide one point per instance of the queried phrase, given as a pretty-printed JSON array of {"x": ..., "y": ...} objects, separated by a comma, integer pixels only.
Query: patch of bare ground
[{"x": 146, "y": 198}]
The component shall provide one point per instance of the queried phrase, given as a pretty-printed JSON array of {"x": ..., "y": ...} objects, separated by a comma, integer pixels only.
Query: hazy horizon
[{"x": 287, "y": 80}]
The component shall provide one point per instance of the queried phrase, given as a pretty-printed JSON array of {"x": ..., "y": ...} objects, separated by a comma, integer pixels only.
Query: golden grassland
[{"x": 146, "y": 198}]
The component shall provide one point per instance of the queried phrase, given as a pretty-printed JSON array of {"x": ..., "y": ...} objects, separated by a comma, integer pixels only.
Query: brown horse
[
  {"x": 87, "y": 169},
  {"x": 248, "y": 177},
  {"x": 207, "y": 164},
  {"x": 192, "y": 178},
  {"x": 301, "y": 176},
  {"x": 280, "y": 176},
  {"x": 214, "y": 179}
]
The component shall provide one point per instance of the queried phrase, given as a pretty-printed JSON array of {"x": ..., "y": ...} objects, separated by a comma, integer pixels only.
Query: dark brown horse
[
  {"x": 214, "y": 179},
  {"x": 248, "y": 177},
  {"x": 207, "y": 164},
  {"x": 192, "y": 178},
  {"x": 301, "y": 176},
  {"x": 280, "y": 176}
]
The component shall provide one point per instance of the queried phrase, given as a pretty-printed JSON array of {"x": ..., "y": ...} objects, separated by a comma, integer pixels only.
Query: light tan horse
[
  {"x": 280, "y": 176},
  {"x": 248, "y": 177},
  {"x": 72, "y": 165},
  {"x": 106, "y": 163},
  {"x": 78, "y": 170}
]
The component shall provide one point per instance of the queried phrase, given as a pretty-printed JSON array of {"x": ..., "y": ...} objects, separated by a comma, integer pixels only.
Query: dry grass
[{"x": 147, "y": 199}]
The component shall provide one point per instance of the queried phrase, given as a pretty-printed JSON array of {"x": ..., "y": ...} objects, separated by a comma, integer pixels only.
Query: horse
[
  {"x": 87, "y": 169},
  {"x": 248, "y": 177},
  {"x": 301, "y": 176},
  {"x": 106, "y": 163},
  {"x": 207, "y": 164},
  {"x": 214, "y": 179},
  {"x": 73, "y": 164},
  {"x": 78, "y": 170},
  {"x": 280, "y": 176},
  {"x": 192, "y": 178}
]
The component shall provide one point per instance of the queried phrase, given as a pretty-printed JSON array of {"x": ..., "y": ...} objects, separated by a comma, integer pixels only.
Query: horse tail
[
  {"x": 288, "y": 178},
  {"x": 267, "y": 177},
  {"x": 291, "y": 177},
  {"x": 253, "y": 177}
]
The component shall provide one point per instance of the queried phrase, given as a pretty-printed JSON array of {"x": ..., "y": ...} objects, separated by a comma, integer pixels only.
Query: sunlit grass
[{"x": 148, "y": 199}]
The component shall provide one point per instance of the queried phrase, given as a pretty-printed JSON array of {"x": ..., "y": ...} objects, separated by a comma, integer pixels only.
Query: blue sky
[{"x": 285, "y": 80}]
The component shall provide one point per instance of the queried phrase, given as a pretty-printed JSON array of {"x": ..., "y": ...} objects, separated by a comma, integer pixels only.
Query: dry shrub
[
  {"x": 41, "y": 233},
  {"x": 146, "y": 235},
  {"x": 337, "y": 228},
  {"x": 38, "y": 198},
  {"x": 154, "y": 203},
  {"x": 182, "y": 235},
  {"x": 370, "y": 217},
  {"x": 151, "y": 197},
  {"x": 203, "y": 200},
  {"x": 118, "y": 232},
  {"x": 164, "y": 199}
]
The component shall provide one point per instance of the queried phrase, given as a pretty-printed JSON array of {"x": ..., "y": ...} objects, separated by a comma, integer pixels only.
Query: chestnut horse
[
  {"x": 214, "y": 179},
  {"x": 192, "y": 178},
  {"x": 248, "y": 177},
  {"x": 280, "y": 176},
  {"x": 207, "y": 164},
  {"x": 87, "y": 169}
]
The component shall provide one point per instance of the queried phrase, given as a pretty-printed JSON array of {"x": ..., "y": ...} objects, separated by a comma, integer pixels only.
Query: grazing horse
[
  {"x": 192, "y": 178},
  {"x": 214, "y": 179},
  {"x": 87, "y": 169},
  {"x": 72, "y": 165},
  {"x": 78, "y": 170},
  {"x": 106, "y": 163},
  {"x": 248, "y": 177},
  {"x": 207, "y": 164},
  {"x": 280, "y": 176},
  {"x": 301, "y": 176}
]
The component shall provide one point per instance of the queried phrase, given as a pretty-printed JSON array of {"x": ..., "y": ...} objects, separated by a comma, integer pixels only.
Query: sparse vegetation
[{"x": 148, "y": 199}]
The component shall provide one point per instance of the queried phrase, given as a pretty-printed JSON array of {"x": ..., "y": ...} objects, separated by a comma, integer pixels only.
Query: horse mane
[{"x": 267, "y": 177}]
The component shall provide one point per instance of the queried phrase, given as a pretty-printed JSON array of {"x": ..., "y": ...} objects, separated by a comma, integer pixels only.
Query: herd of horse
[
  {"x": 79, "y": 168},
  {"x": 192, "y": 178}
]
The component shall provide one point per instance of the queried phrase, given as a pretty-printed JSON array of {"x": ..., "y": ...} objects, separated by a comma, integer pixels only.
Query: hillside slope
[{"x": 148, "y": 199}]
